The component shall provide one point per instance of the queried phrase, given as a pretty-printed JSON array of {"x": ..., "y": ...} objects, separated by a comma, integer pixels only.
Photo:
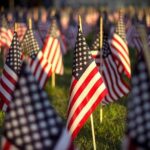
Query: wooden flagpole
[
  {"x": 101, "y": 53},
  {"x": 53, "y": 77},
  {"x": 30, "y": 23},
  {"x": 15, "y": 27},
  {"x": 91, "y": 117}
]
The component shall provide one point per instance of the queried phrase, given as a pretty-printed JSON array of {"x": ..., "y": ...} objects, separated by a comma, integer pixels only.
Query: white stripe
[
  {"x": 49, "y": 42},
  {"x": 45, "y": 74},
  {"x": 95, "y": 53},
  {"x": 114, "y": 80},
  {"x": 52, "y": 51},
  {"x": 126, "y": 66},
  {"x": 122, "y": 86},
  {"x": 121, "y": 41},
  {"x": 87, "y": 107},
  {"x": 35, "y": 63},
  {"x": 121, "y": 50},
  {"x": 5, "y": 93},
  {"x": 83, "y": 94},
  {"x": 40, "y": 64},
  {"x": 82, "y": 78},
  {"x": 108, "y": 79},
  {"x": 11, "y": 72},
  {"x": 4, "y": 107},
  {"x": 64, "y": 141},
  {"x": 7, "y": 82}
]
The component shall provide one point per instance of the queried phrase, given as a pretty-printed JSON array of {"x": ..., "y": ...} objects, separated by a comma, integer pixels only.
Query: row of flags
[{"x": 93, "y": 82}]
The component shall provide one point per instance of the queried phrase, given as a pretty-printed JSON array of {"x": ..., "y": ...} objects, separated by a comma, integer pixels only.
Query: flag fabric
[
  {"x": 117, "y": 88},
  {"x": 54, "y": 31},
  {"x": 120, "y": 50},
  {"x": 87, "y": 87},
  {"x": 52, "y": 52},
  {"x": 39, "y": 66},
  {"x": 133, "y": 39},
  {"x": 21, "y": 30},
  {"x": 95, "y": 50},
  {"x": 10, "y": 73},
  {"x": 31, "y": 122},
  {"x": 6, "y": 34},
  {"x": 138, "y": 117}
]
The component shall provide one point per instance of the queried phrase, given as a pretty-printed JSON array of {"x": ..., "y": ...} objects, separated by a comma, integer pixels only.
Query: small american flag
[
  {"x": 31, "y": 122},
  {"x": 87, "y": 87},
  {"x": 6, "y": 34},
  {"x": 133, "y": 38},
  {"x": 116, "y": 86},
  {"x": 52, "y": 52},
  {"x": 119, "y": 48},
  {"x": 54, "y": 31},
  {"x": 138, "y": 117},
  {"x": 40, "y": 67},
  {"x": 21, "y": 30},
  {"x": 10, "y": 73},
  {"x": 95, "y": 50}
]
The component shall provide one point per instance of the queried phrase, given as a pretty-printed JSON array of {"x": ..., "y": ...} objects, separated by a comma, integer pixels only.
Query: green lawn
[{"x": 108, "y": 134}]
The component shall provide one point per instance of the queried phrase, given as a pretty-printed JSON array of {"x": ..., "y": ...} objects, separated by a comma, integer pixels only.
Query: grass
[{"x": 109, "y": 133}]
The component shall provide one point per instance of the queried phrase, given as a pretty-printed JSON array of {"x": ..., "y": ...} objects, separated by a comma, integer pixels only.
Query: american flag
[
  {"x": 43, "y": 29},
  {"x": 21, "y": 30},
  {"x": 116, "y": 86},
  {"x": 39, "y": 66},
  {"x": 87, "y": 87},
  {"x": 31, "y": 122},
  {"x": 52, "y": 52},
  {"x": 6, "y": 34},
  {"x": 138, "y": 117},
  {"x": 10, "y": 73},
  {"x": 133, "y": 38},
  {"x": 95, "y": 50},
  {"x": 54, "y": 31},
  {"x": 120, "y": 50}
]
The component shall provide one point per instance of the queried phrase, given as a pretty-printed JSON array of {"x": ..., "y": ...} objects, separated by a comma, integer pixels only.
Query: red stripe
[
  {"x": 117, "y": 41},
  {"x": 37, "y": 65},
  {"x": 7, "y": 145},
  {"x": 119, "y": 51},
  {"x": 54, "y": 55},
  {"x": 85, "y": 101},
  {"x": 45, "y": 44},
  {"x": 82, "y": 87},
  {"x": 4, "y": 99},
  {"x": 124, "y": 68},
  {"x": 118, "y": 79},
  {"x": 59, "y": 71},
  {"x": 9, "y": 77},
  {"x": 50, "y": 49},
  {"x": 43, "y": 71},
  {"x": 81, "y": 123},
  {"x": 4, "y": 86},
  {"x": 73, "y": 84},
  {"x": 111, "y": 79}
]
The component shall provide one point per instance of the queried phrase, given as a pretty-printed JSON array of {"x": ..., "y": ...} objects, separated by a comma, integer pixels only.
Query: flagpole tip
[
  {"x": 16, "y": 25},
  {"x": 30, "y": 23}
]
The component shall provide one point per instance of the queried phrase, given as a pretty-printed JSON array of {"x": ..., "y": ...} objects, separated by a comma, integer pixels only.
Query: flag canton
[
  {"x": 106, "y": 48},
  {"x": 31, "y": 122},
  {"x": 138, "y": 120},
  {"x": 96, "y": 44},
  {"x": 120, "y": 29},
  {"x": 13, "y": 59},
  {"x": 30, "y": 45},
  {"x": 82, "y": 56}
]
